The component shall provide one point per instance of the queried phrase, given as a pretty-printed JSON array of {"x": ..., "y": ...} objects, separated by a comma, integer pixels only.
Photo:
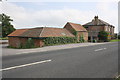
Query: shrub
[
  {"x": 103, "y": 36},
  {"x": 59, "y": 40},
  {"x": 81, "y": 39},
  {"x": 94, "y": 40},
  {"x": 115, "y": 36},
  {"x": 118, "y": 36}
]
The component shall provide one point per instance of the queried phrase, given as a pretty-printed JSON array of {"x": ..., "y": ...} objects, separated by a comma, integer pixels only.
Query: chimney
[{"x": 96, "y": 20}]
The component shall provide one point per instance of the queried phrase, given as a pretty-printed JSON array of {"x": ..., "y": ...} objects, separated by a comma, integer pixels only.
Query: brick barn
[
  {"x": 20, "y": 36},
  {"x": 79, "y": 29},
  {"x": 97, "y": 25}
]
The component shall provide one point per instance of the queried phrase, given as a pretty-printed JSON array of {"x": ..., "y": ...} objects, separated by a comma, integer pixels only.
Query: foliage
[
  {"x": 6, "y": 25},
  {"x": 94, "y": 40},
  {"x": 115, "y": 40},
  {"x": 59, "y": 40},
  {"x": 74, "y": 32},
  {"x": 117, "y": 79},
  {"x": 5, "y": 38},
  {"x": 118, "y": 36},
  {"x": 81, "y": 39},
  {"x": 103, "y": 36},
  {"x": 115, "y": 36},
  {"x": 29, "y": 44}
]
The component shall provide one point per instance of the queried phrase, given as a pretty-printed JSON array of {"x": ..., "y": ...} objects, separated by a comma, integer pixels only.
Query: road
[{"x": 98, "y": 61}]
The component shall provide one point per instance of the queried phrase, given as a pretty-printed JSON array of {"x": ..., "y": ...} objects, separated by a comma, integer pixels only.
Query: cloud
[
  {"x": 109, "y": 13},
  {"x": 24, "y": 18}
]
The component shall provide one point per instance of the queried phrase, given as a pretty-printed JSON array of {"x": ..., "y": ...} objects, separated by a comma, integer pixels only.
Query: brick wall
[
  {"x": 95, "y": 28},
  {"x": 79, "y": 33},
  {"x": 109, "y": 29},
  {"x": 38, "y": 43},
  {"x": 69, "y": 28},
  {"x": 16, "y": 42},
  {"x": 84, "y": 34}
]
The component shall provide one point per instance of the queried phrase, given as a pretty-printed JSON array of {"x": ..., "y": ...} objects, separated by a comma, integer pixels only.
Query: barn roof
[
  {"x": 77, "y": 27},
  {"x": 41, "y": 32}
]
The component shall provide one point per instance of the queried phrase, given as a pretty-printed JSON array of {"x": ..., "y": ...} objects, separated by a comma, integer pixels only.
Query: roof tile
[
  {"x": 42, "y": 32},
  {"x": 77, "y": 27}
]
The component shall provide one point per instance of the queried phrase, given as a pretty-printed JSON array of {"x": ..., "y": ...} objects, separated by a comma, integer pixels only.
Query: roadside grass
[
  {"x": 5, "y": 38},
  {"x": 115, "y": 40}
]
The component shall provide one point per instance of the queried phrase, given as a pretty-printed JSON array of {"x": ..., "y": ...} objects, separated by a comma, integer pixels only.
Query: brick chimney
[{"x": 96, "y": 20}]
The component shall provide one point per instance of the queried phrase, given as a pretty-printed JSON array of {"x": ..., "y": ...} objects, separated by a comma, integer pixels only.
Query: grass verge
[
  {"x": 115, "y": 40},
  {"x": 5, "y": 38}
]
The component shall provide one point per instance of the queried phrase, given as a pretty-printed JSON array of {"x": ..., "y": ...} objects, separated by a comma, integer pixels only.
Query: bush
[
  {"x": 103, "y": 36},
  {"x": 115, "y": 36},
  {"x": 118, "y": 36},
  {"x": 94, "y": 40},
  {"x": 59, "y": 40},
  {"x": 81, "y": 39}
]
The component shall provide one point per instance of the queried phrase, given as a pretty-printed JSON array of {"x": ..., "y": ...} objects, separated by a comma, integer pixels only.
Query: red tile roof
[
  {"x": 18, "y": 32},
  {"x": 77, "y": 27},
  {"x": 55, "y": 32},
  {"x": 42, "y": 32}
]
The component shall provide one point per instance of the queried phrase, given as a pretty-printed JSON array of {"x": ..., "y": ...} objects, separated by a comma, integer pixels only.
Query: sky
[{"x": 57, "y": 14}]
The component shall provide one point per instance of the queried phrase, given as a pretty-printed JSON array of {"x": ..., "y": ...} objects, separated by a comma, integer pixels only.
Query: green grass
[
  {"x": 115, "y": 40},
  {"x": 5, "y": 38}
]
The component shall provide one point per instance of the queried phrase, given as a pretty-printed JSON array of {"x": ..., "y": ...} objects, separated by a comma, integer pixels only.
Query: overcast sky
[{"x": 57, "y": 14}]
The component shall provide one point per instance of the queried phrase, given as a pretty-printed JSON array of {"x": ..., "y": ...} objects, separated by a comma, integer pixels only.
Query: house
[
  {"x": 97, "y": 25},
  {"x": 20, "y": 36},
  {"x": 77, "y": 30}
]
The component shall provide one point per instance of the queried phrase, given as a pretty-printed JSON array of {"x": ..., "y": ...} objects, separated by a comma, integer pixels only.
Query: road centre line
[
  {"x": 25, "y": 65},
  {"x": 100, "y": 49}
]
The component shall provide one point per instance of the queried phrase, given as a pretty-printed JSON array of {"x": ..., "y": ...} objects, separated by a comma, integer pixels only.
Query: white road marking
[
  {"x": 105, "y": 48},
  {"x": 25, "y": 65},
  {"x": 100, "y": 49}
]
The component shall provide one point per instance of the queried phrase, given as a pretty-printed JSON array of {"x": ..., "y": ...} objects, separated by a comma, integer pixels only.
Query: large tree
[{"x": 6, "y": 25}]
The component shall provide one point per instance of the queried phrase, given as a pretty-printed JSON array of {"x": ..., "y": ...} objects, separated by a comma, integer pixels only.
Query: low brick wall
[{"x": 16, "y": 42}]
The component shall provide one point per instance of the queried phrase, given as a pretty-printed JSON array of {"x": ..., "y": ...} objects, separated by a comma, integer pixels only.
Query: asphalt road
[{"x": 99, "y": 61}]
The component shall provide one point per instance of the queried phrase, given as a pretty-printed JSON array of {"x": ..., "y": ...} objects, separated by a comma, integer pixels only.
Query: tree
[
  {"x": 115, "y": 36},
  {"x": 6, "y": 25},
  {"x": 118, "y": 36},
  {"x": 103, "y": 36}
]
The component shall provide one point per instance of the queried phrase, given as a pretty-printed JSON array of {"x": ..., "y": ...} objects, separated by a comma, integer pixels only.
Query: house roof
[
  {"x": 42, "y": 32},
  {"x": 97, "y": 22},
  {"x": 77, "y": 27}
]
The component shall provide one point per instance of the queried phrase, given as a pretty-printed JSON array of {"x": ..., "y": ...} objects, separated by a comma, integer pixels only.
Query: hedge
[{"x": 59, "y": 40}]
